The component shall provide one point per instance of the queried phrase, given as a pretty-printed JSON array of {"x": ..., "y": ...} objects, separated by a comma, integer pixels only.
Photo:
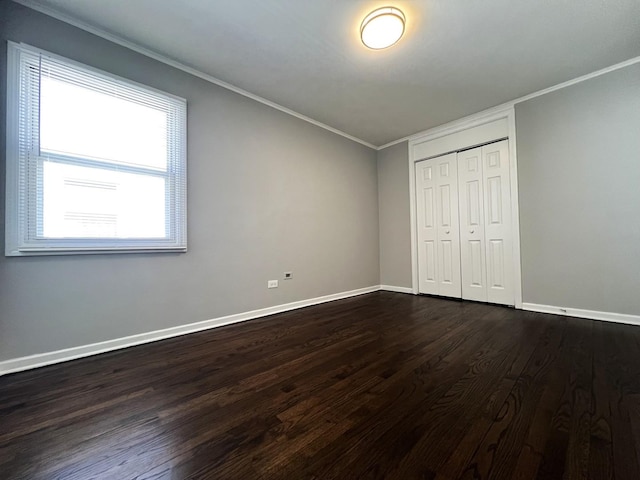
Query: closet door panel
[
  {"x": 448, "y": 246},
  {"x": 438, "y": 228},
  {"x": 427, "y": 232},
  {"x": 497, "y": 205},
  {"x": 472, "y": 244}
]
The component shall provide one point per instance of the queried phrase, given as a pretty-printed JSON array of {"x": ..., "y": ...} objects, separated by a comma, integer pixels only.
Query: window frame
[{"x": 20, "y": 222}]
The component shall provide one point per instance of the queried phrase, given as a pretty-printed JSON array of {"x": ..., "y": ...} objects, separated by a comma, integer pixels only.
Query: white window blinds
[{"x": 94, "y": 162}]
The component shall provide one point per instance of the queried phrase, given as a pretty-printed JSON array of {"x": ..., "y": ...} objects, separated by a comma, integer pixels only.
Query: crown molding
[
  {"x": 34, "y": 5},
  {"x": 512, "y": 103},
  {"x": 180, "y": 66}
]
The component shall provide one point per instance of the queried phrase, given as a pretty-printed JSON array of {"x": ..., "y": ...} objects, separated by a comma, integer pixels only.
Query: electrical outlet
[
  {"x": 288, "y": 275},
  {"x": 272, "y": 284}
]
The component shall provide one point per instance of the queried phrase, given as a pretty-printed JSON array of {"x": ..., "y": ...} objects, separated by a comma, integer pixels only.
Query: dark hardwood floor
[{"x": 383, "y": 385}]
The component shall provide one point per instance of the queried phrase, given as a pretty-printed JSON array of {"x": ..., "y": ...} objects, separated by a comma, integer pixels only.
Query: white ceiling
[{"x": 457, "y": 57}]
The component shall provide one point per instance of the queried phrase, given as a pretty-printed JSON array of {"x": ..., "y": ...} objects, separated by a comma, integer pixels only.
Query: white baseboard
[
  {"x": 577, "y": 312},
  {"x": 58, "y": 356},
  {"x": 391, "y": 288}
]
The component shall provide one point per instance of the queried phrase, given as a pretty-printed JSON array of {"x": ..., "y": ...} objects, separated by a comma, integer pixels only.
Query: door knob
[
  {"x": 447, "y": 232},
  {"x": 471, "y": 231}
]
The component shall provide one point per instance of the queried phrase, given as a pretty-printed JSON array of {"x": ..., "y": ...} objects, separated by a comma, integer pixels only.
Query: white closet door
[
  {"x": 448, "y": 251},
  {"x": 438, "y": 226},
  {"x": 497, "y": 209},
  {"x": 472, "y": 243},
  {"x": 427, "y": 232}
]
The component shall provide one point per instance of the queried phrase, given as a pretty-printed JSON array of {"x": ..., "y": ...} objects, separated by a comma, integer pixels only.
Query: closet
[{"x": 464, "y": 234}]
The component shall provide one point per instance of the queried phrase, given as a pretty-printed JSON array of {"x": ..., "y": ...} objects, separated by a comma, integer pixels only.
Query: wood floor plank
[
  {"x": 381, "y": 386},
  {"x": 448, "y": 420},
  {"x": 600, "y": 450},
  {"x": 496, "y": 456},
  {"x": 558, "y": 443},
  {"x": 418, "y": 383},
  {"x": 623, "y": 375}
]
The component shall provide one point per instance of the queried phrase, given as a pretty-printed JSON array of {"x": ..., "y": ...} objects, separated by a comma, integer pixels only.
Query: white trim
[
  {"x": 20, "y": 241},
  {"x": 391, "y": 288},
  {"x": 58, "y": 356},
  {"x": 451, "y": 140},
  {"x": 589, "y": 314},
  {"x": 512, "y": 103},
  {"x": 209, "y": 78},
  {"x": 26, "y": 47},
  {"x": 412, "y": 223},
  {"x": 12, "y": 193},
  {"x": 515, "y": 210},
  {"x": 180, "y": 66},
  {"x": 462, "y": 124},
  {"x": 400, "y": 140},
  {"x": 466, "y": 123}
]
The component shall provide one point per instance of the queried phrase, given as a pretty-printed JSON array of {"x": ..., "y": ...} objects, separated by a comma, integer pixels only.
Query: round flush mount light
[{"x": 382, "y": 28}]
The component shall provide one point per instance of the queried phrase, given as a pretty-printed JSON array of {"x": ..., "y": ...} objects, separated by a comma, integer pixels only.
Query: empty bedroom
[{"x": 288, "y": 239}]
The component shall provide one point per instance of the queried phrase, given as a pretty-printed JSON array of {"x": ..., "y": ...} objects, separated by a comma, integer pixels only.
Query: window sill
[{"x": 34, "y": 252}]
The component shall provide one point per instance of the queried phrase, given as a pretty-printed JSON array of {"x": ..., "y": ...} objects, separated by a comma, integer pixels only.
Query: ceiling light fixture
[{"x": 382, "y": 28}]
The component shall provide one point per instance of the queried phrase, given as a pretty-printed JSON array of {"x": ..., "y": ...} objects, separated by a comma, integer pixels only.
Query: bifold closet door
[
  {"x": 497, "y": 226},
  {"x": 485, "y": 224},
  {"x": 438, "y": 226},
  {"x": 472, "y": 244}
]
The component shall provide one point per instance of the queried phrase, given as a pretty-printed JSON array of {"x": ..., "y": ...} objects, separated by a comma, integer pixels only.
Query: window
[{"x": 95, "y": 163}]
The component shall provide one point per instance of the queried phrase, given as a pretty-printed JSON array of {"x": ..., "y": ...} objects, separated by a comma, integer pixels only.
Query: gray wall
[
  {"x": 579, "y": 185},
  {"x": 395, "y": 221},
  {"x": 268, "y": 193}
]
